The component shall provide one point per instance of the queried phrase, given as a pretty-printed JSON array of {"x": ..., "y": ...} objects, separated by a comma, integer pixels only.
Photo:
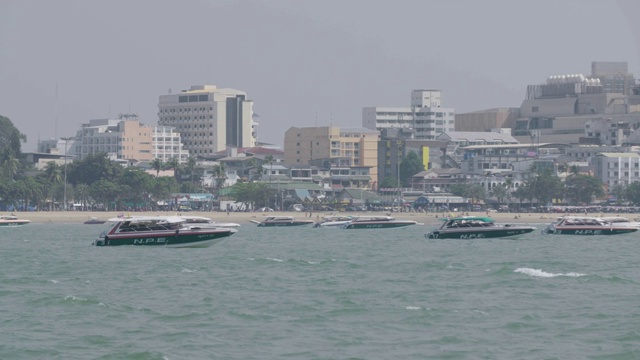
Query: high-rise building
[
  {"x": 355, "y": 147},
  {"x": 425, "y": 115},
  {"x": 209, "y": 119}
]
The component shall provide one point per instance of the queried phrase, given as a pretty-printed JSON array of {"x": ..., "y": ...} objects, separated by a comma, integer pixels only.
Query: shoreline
[{"x": 244, "y": 218}]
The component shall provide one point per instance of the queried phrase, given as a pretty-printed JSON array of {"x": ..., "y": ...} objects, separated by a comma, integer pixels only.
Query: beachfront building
[
  {"x": 616, "y": 168},
  {"x": 558, "y": 110},
  {"x": 344, "y": 149},
  {"x": 457, "y": 140},
  {"x": 209, "y": 119},
  {"x": 125, "y": 139},
  {"x": 425, "y": 116},
  {"x": 396, "y": 143},
  {"x": 167, "y": 144}
]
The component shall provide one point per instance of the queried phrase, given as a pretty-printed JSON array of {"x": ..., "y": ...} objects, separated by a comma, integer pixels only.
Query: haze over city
[{"x": 303, "y": 63}]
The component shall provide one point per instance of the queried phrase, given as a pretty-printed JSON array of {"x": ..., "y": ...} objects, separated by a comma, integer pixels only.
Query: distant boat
[
  {"x": 582, "y": 225},
  {"x": 12, "y": 220},
  {"x": 376, "y": 222},
  {"x": 201, "y": 222},
  {"x": 282, "y": 221},
  {"x": 619, "y": 220},
  {"x": 168, "y": 231},
  {"x": 476, "y": 227},
  {"x": 333, "y": 221},
  {"x": 94, "y": 221}
]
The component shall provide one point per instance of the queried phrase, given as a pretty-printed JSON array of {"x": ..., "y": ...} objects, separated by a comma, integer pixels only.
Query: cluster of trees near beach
[{"x": 96, "y": 180}]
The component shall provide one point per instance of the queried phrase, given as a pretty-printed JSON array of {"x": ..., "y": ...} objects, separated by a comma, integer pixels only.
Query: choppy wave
[{"x": 543, "y": 274}]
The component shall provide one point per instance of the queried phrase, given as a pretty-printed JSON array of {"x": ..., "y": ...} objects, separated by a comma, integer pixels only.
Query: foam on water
[{"x": 543, "y": 274}]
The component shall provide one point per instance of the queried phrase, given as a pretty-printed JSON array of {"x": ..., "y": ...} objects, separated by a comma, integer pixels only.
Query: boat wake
[{"x": 542, "y": 274}]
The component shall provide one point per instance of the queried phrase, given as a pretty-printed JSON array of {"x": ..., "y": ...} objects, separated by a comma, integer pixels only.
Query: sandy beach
[{"x": 244, "y": 218}]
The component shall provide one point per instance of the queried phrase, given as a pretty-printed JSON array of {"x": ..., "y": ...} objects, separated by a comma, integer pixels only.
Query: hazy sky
[{"x": 303, "y": 63}]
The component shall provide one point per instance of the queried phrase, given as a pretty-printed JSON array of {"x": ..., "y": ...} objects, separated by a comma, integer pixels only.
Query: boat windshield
[{"x": 461, "y": 223}]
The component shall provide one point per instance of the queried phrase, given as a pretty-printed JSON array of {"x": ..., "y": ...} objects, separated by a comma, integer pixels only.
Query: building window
[{"x": 535, "y": 109}]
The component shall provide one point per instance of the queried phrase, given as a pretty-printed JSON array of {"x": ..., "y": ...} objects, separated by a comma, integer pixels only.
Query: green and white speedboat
[
  {"x": 476, "y": 227},
  {"x": 12, "y": 220},
  {"x": 165, "y": 231}
]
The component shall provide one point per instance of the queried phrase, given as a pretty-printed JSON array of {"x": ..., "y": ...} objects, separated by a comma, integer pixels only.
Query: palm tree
[
  {"x": 174, "y": 164},
  {"x": 157, "y": 165},
  {"x": 11, "y": 166},
  {"x": 191, "y": 166},
  {"x": 500, "y": 192},
  {"x": 53, "y": 173}
]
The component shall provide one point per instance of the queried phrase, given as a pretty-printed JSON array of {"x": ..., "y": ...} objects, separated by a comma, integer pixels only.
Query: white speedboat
[
  {"x": 12, "y": 220},
  {"x": 201, "y": 222},
  {"x": 333, "y": 221},
  {"x": 619, "y": 220},
  {"x": 168, "y": 231},
  {"x": 376, "y": 222},
  {"x": 282, "y": 221}
]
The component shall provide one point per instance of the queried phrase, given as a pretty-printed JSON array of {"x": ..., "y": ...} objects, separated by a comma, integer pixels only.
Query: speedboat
[
  {"x": 201, "y": 222},
  {"x": 376, "y": 222},
  {"x": 12, "y": 220},
  {"x": 94, "y": 221},
  {"x": 168, "y": 231},
  {"x": 282, "y": 221},
  {"x": 476, "y": 227},
  {"x": 333, "y": 221},
  {"x": 574, "y": 225}
]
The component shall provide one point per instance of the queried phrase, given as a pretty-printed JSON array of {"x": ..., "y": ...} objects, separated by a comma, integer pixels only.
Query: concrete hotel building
[
  {"x": 616, "y": 168},
  {"x": 209, "y": 119},
  {"x": 127, "y": 139},
  {"x": 358, "y": 146},
  {"x": 425, "y": 115}
]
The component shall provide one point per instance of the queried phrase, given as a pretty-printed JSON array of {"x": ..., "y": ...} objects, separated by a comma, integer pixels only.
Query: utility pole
[{"x": 66, "y": 141}]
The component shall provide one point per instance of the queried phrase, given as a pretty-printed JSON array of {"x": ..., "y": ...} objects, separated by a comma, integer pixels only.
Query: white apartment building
[
  {"x": 425, "y": 115},
  {"x": 616, "y": 168},
  {"x": 167, "y": 144},
  {"x": 209, "y": 119},
  {"x": 126, "y": 139}
]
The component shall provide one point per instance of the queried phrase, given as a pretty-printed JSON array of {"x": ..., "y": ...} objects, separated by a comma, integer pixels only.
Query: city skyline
[{"x": 302, "y": 63}]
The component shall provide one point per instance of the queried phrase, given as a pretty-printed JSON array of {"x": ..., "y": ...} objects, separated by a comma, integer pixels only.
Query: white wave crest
[
  {"x": 540, "y": 273},
  {"x": 275, "y": 259},
  {"x": 74, "y": 298},
  {"x": 412, "y": 307},
  {"x": 185, "y": 270},
  {"x": 55, "y": 281}
]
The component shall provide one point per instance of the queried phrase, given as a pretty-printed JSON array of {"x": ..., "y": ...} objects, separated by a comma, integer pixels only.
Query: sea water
[{"x": 315, "y": 293}]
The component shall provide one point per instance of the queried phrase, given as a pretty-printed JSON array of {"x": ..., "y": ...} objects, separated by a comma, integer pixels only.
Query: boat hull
[
  {"x": 479, "y": 233},
  {"x": 175, "y": 239},
  {"x": 8, "y": 223},
  {"x": 376, "y": 225},
  {"x": 285, "y": 223}
]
